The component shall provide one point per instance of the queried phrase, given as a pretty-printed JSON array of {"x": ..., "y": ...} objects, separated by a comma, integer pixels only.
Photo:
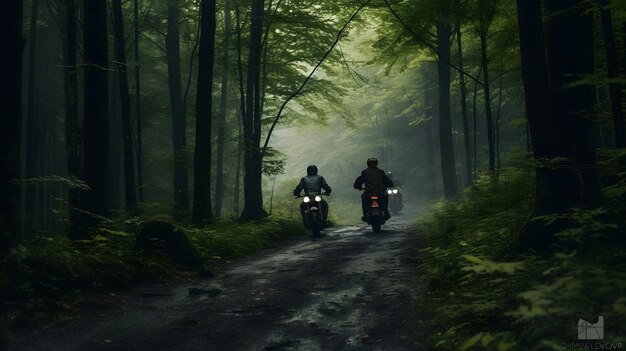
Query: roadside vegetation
[
  {"x": 54, "y": 275},
  {"x": 483, "y": 299}
]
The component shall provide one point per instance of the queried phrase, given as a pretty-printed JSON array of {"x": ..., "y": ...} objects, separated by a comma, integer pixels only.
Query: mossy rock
[{"x": 160, "y": 234}]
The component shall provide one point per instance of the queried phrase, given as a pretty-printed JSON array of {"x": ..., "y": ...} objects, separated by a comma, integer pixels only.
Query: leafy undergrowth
[
  {"x": 52, "y": 276},
  {"x": 533, "y": 303}
]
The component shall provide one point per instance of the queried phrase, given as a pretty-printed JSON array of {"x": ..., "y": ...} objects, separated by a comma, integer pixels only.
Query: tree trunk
[
  {"x": 179, "y": 124},
  {"x": 428, "y": 127},
  {"x": 497, "y": 124},
  {"x": 34, "y": 141},
  {"x": 242, "y": 110},
  {"x": 466, "y": 136},
  {"x": 219, "y": 183},
  {"x": 202, "y": 162},
  {"x": 96, "y": 123},
  {"x": 12, "y": 46},
  {"x": 138, "y": 103},
  {"x": 115, "y": 177},
  {"x": 612, "y": 72},
  {"x": 569, "y": 34},
  {"x": 448, "y": 163},
  {"x": 488, "y": 109},
  {"x": 551, "y": 108},
  {"x": 253, "y": 197},
  {"x": 130, "y": 193},
  {"x": 624, "y": 46},
  {"x": 475, "y": 126},
  {"x": 72, "y": 121}
]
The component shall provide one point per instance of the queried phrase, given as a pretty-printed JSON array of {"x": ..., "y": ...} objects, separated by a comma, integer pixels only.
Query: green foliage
[
  {"x": 612, "y": 163},
  {"x": 481, "y": 303},
  {"x": 71, "y": 182},
  {"x": 50, "y": 275},
  {"x": 273, "y": 162},
  {"x": 229, "y": 240}
]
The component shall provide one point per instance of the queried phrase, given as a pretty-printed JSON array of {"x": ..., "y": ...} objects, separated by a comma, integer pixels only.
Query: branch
[
  {"x": 411, "y": 101},
  {"x": 193, "y": 54},
  {"x": 282, "y": 107},
  {"x": 154, "y": 42},
  {"x": 430, "y": 46}
]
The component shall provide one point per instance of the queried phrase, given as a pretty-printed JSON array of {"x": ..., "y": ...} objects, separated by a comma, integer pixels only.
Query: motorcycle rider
[
  {"x": 395, "y": 181},
  {"x": 397, "y": 197},
  {"x": 312, "y": 184},
  {"x": 376, "y": 183}
]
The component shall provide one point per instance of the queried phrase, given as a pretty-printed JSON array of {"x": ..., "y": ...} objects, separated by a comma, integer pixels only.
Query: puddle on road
[
  {"x": 277, "y": 341},
  {"x": 331, "y": 313},
  {"x": 330, "y": 310}
]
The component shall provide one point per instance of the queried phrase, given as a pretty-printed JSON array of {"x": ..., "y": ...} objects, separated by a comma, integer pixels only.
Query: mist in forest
[
  {"x": 151, "y": 140},
  {"x": 369, "y": 97}
]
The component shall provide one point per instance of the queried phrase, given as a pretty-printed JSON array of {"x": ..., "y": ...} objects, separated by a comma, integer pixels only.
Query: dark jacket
[
  {"x": 375, "y": 180},
  {"x": 312, "y": 184}
]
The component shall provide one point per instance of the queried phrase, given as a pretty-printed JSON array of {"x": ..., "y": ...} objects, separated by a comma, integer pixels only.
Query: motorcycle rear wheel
[{"x": 376, "y": 225}]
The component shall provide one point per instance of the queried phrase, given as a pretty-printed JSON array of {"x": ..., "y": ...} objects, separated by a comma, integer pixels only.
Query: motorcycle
[
  {"x": 311, "y": 209},
  {"x": 375, "y": 214},
  {"x": 395, "y": 200}
]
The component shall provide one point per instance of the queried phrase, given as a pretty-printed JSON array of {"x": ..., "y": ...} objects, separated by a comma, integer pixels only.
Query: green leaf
[
  {"x": 471, "y": 341},
  {"x": 114, "y": 232}
]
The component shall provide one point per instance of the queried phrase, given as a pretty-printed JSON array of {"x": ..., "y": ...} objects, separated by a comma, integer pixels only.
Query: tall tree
[
  {"x": 96, "y": 122},
  {"x": 448, "y": 163},
  {"x": 179, "y": 124},
  {"x": 221, "y": 134},
  {"x": 253, "y": 197},
  {"x": 236, "y": 190},
  {"x": 72, "y": 121},
  {"x": 429, "y": 112},
  {"x": 570, "y": 56},
  {"x": 11, "y": 46},
  {"x": 138, "y": 101},
  {"x": 485, "y": 9},
  {"x": 130, "y": 191},
  {"x": 612, "y": 72},
  {"x": 202, "y": 162},
  {"x": 463, "y": 88},
  {"x": 553, "y": 108},
  {"x": 33, "y": 127}
]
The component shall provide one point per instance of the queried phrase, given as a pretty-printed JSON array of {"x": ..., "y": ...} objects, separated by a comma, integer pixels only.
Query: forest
[{"x": 149, "y": 150}]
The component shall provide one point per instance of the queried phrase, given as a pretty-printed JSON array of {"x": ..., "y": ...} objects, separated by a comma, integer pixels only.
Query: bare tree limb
[
  {"x": 429, "y": 45},
  {"x": 282, "y": 107}
]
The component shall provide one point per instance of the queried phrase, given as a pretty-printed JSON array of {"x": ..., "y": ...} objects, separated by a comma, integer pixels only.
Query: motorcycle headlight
[
  {"x": 389, "y": 192},
  {"x": 318, "y": 198},
  {"x": 307, "y": 199},
  {"x": 395, "y": 191}
]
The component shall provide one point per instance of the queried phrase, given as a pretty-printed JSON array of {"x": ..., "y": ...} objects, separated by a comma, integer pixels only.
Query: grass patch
[
  {"x": 49, "y": 275},
  {"x": 533, "y": 303}
]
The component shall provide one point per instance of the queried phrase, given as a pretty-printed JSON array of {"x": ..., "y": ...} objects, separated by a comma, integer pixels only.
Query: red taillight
[{"x": 374, "y": 197}]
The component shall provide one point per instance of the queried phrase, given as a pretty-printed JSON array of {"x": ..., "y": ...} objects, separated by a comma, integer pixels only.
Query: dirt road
[{"x": 349, "y": 290}]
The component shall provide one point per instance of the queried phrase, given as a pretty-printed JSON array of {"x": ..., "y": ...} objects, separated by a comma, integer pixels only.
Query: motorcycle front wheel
[{"x": 316, "y": 225}]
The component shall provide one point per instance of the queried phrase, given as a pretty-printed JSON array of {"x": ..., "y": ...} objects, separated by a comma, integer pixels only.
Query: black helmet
[
  {"x": 390, "y": 175},
  {"x": 372, "y": 162},
  {"x": 311, "y": 170}
]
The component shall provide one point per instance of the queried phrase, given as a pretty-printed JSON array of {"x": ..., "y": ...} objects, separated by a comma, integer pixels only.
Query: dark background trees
[
  {"x": 179, "y": 124},
  {"x": 12, "y": 44},
  {"x": 96, "y": 113},
  {"x": 503, "y": 118},
  {"x": 202, "y": 161},
  {"x": 434, "y": 89}
]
